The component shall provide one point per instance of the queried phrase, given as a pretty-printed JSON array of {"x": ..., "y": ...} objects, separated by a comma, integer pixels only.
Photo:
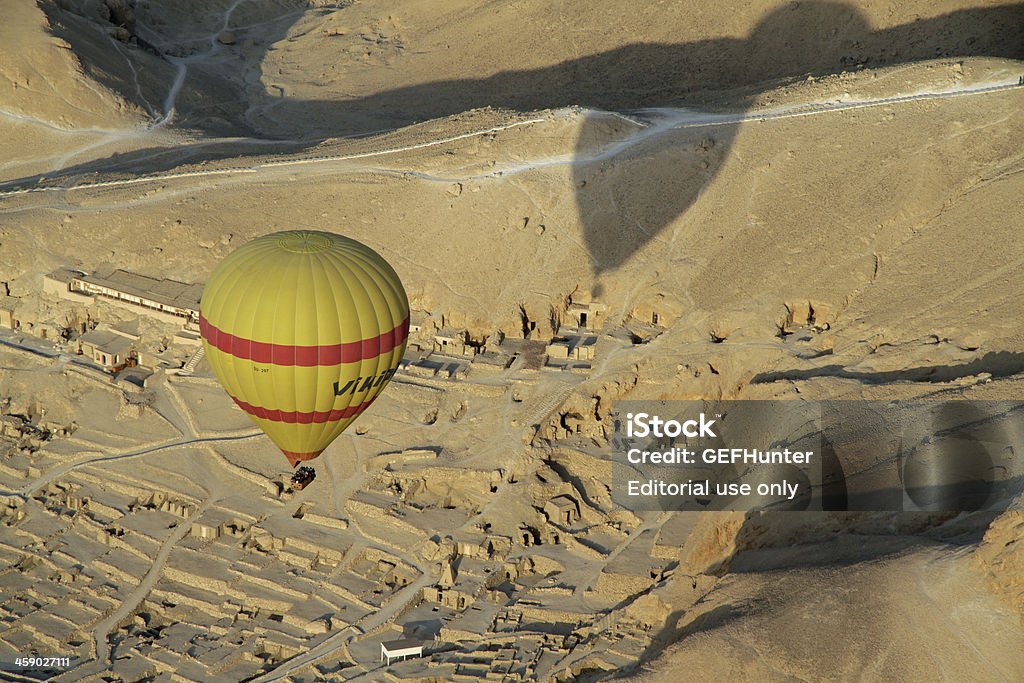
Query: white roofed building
[{"x": 400, "y": 649}]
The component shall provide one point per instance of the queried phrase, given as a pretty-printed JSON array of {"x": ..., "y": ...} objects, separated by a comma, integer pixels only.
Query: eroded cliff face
[
  {"x": 43, "y": 79},
  {"x": 1001, "y": 559}
]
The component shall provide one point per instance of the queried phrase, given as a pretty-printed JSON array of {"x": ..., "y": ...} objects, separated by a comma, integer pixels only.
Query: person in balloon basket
[{"x": 303, "y": 477}]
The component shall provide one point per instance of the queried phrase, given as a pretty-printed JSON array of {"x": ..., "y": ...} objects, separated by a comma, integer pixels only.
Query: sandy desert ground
[{"x": 789, "y": 200}]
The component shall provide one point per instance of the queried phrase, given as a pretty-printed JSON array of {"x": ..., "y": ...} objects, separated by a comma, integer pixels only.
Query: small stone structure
[{"x": 562, "y": 509}]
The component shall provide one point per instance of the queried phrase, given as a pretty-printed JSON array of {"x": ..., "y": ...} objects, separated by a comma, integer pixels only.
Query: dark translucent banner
[{"x": 825, "y": 455}]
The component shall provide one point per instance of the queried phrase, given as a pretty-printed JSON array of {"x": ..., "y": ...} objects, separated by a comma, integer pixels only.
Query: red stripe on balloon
[
  {"x": 303, "y": 356},
  {"x": 299, "y": 417}
]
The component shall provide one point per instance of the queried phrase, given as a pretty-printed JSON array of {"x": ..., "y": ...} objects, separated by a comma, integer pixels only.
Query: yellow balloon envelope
[{"x": 304, "y": 329}]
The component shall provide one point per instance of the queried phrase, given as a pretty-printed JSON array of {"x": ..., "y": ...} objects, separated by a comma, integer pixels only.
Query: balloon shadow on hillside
[{"x": 791, "y": 43}]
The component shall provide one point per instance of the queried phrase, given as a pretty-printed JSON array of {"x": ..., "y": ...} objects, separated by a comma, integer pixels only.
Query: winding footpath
[
  {"x": 59, "y": 471},
  {"x": 130, "y": 603},
  {"x": 652, "y": 122}
]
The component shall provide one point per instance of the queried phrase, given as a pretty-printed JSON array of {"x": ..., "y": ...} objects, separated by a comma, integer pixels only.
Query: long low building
[
  {"x": 400, "y": 649},
  {"x": 166, "y": 296}
]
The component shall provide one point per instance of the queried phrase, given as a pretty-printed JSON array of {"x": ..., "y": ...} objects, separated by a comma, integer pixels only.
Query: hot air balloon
[{"x": 304, "y": 329}]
